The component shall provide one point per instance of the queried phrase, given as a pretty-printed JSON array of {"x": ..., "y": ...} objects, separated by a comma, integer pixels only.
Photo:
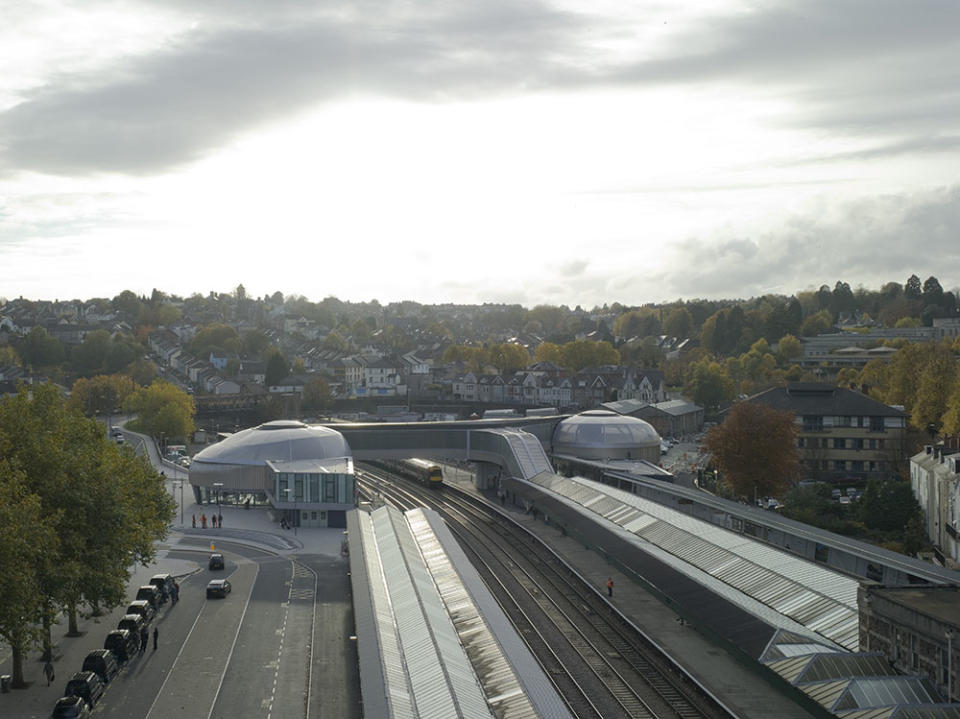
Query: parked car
[
  {"x": 216, "y": 561},
  {"x": 163, "y": 582},
  {"x": 86, "y": 685},
  {"x": 123, "y": 643},
  {"x": 134, "y": 623},
  {"x": 143, "y": 608},
  {"x": 218, "y": 588},
  {"x": 151, "y": 594},
  {"x": 71, "y": 707},
  {"x": 103, "y": 663}
]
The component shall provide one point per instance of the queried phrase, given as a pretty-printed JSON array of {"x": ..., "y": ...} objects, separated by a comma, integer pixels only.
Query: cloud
[
  {"x": 174, "y": 106},
  {"x": 868, "y": 242},
  {"x": 888, "y": 66}
]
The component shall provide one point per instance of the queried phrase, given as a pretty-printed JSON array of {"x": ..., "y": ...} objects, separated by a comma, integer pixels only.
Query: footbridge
[{"x": 508, "y": 447}]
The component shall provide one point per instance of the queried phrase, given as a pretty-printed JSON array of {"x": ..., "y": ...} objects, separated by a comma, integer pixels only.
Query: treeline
[{"x": 77, "y": 513}]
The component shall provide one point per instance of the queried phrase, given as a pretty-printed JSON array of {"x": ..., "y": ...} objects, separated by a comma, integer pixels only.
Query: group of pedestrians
[{"x": 216, "y": 520}]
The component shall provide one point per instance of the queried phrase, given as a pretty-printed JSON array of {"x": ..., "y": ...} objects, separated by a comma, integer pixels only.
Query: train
[{"x": 419, "y": 470}]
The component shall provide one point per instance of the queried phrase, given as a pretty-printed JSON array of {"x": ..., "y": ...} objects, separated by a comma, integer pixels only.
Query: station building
[{"x": 305, "y": 472}]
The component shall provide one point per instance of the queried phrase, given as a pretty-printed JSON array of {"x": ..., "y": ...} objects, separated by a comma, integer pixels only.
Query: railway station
[{"x": 770, "y": 593}]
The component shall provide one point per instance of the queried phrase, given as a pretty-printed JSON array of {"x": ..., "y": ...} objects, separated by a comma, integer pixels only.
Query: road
[{"x": 246, "y": 655}]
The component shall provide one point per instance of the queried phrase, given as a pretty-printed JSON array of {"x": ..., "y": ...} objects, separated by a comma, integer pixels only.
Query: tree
[
  {"x": 317, "y": 394},
  {"x": 40, "y": 350},
  {"x": 28, "y": 540},
  {"x": 583, "y": 353},
  {"x": 276, "y": 369},
  {"x": 547, "y": 352},
  {"x": 913, "y": 290},
  {"x": 817, "y": 324},
  {"x": 888, "y": 506},
  {"x": 788, "y": 348},
  {"x": 101, "y": 394},
  {"x": 755, "y": 448},
  {"x": 163, "y": 408},
  {"x": 215, "y": 337},
  {"x": 709, "y": 385},
  {"x": 932, "y": 292},
  {"x": 106, "y": 505},
  {"x": 509, "y": 357},
  {"x": 679, "y": 323}
]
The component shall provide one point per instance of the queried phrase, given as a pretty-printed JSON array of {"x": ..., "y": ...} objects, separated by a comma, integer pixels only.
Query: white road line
[
  {"x": 173, "y": 666},
  {"x": 234, "y": 644}
]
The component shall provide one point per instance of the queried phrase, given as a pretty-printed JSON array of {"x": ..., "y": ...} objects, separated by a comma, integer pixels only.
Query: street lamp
[
  {"x": 218, "y": 485},
  {"x": 181, "y": 501},
  {"x": 949, "y": 635}
]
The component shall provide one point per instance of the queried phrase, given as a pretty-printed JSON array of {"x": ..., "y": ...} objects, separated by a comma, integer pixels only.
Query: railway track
[{"x": 600, "y": 665}]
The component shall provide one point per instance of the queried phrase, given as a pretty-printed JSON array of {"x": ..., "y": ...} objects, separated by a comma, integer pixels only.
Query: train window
[
  {"x": 874, "y": 572},
  {"x": 821, "y": 553}
]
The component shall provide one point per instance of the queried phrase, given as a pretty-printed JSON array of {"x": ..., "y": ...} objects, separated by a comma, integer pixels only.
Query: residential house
[{"x": 935, "y": 480}]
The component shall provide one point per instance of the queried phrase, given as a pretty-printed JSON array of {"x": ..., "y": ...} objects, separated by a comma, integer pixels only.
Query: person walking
[
  {"x": 156, "y": 635},
  {"x": 609, "y": 586},
  {"x": 220, "y": 521},
  {"x": 193, "y": 519},
  {"x": 144, "y": 638},
  {"x": 175, "y": 592},
  {"x": 203, "y": 520},
  {"x": 48, "y": 672}
]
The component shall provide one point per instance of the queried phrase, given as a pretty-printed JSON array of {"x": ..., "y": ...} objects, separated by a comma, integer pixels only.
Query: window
[
  {"x": 844, "y": 421},
  {"x": 876, "y": 424},
  {"x": 839, "y": 443},
  {"x": 330, "y": 489},
  {"x": 801, "y": 442},
  {"x": 813, "y": 423},
  {"x": 298, "y": 491},
  {"x": 821, "y": 553}
]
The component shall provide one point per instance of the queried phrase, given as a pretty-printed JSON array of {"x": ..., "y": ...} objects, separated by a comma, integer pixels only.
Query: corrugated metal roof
[
  {"x": 818, "y": 598},
  {"x": 439, "y": 658},
  {"x": 494, "y": 673}
]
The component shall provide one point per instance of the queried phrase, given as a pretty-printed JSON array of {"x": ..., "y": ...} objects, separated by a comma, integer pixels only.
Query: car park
[
  {"x": 151, "y": 594},
  {"x": 216, "y": 561},
  {"x": 122, "y": 643},
  {"x": 143, "y": 608},
  {"x": 71, "y": 707},
  {"x": 218, "y": 588},
  {"x": 103, "y": 663},
  {"x": 134, "y": 623},
  {"x": 86, "y": 685},
  {"x": 163, "y": 582}
]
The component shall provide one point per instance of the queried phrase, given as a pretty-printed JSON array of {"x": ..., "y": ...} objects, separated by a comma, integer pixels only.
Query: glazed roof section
[
  {"x": 439, "y": 655},
  {"x": 821, "y": 600},
  {"x": 854, "y": 686}
]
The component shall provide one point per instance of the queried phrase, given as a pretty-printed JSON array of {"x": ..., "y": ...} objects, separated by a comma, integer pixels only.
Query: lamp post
[
  {"x": 181, "y": 500},
  {"x": 218, "y": 485},
  {"x": 949, "y": 635}
]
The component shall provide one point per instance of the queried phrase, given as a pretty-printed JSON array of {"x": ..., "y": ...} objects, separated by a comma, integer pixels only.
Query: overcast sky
[{"x": 466, "y": 151}]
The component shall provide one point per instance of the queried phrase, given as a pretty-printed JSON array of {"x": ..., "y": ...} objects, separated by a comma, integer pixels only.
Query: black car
[
  {"x": 216, "y": 561},
  {"x": 71, "y": 707},
  {"x": 86, "y": 685},
  {"x": 218, "y": 588},
  {"x": 151, "y": 594},
  {"x": 163, "y": 582},
  {"x": 134, "y": 622},
  {"x": 123, "y": 643},
  {"x": 143, "y": 608},
  {"x": 103, "y": 663}
]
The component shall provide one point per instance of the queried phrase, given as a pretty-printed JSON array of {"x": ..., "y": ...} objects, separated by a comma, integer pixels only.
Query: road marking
[{"x": 172, "y": 666}]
